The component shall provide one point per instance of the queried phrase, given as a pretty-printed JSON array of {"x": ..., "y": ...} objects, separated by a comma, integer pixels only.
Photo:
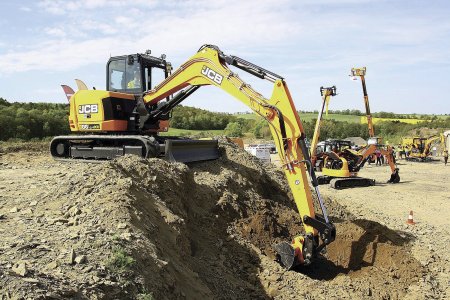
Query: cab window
[{"x": 124, "y": 76}]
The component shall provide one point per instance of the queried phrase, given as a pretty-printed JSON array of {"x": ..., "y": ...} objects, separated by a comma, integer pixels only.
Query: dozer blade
[
  {"x": 342, "y": 183},
  {"x": 286, "y": 255},
  {"x": 191, "y": 150}
]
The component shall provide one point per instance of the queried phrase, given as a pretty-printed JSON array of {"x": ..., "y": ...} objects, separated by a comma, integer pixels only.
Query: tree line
[
  {"x": 185, "y": 117},
  {"x": 391, "y": 131},
  {"x": 26, "y": 121},
  {"x": 381, "y": 114}
]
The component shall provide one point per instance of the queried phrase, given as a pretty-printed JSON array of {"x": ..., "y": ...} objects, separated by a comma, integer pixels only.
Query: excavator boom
[
  {"x": 209, "y": 66},
  {"x": 361, "y": 72},
  {"x": 326, "y": 94}
]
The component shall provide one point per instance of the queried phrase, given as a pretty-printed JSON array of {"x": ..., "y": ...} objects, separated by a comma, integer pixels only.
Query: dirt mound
[
  {"x": 224, "y": 217},
  {"x": 425, "y": 132},
  {"x": 174, "y": 231}
]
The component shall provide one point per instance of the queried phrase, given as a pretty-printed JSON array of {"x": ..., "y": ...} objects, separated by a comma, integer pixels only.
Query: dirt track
[{"x": 206, "y": 231}]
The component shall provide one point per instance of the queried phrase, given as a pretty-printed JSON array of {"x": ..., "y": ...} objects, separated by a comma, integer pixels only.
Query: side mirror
[{"x": 130, "y": 59}]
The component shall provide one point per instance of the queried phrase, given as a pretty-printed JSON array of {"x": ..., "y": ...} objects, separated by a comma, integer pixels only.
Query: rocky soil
[{"x": 149, "y": 229}]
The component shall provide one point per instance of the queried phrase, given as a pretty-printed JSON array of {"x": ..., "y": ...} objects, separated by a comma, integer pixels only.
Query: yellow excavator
[
  {"x": 336, "y": 160},
  {"x": 374, "y": 143},
  {"x": 341, "y": 164},
  {"x": 419, "y": 148},
  {"x": 119, "y": 123},
  {"x": 445, "y": 146},
  {"x": 123, "y": 117}
]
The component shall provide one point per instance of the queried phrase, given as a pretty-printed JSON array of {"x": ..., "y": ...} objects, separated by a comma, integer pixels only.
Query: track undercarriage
[{"x": 106, "y": 147}]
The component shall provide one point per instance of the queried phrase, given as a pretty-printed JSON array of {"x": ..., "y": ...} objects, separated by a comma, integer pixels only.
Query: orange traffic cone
[{"x": 410, "y": 220}]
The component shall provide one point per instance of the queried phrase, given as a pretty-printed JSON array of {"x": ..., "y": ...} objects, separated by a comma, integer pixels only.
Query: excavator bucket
[
  {"x": 395, "y": 178},
  {"x": 286, "y": 255},
  {"x": 191, "y": 150}
]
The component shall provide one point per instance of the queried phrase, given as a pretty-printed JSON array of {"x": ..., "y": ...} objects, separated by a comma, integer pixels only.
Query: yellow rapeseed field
[{"x": 378, "y": 120}]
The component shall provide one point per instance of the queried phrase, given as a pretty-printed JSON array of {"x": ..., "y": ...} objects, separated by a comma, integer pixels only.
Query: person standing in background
[
  {"x": 378, "y": 154},
  {"x": 445, "y": 157}
]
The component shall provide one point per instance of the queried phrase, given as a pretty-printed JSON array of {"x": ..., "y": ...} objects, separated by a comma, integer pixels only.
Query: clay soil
[{"x": 148, "y": 229}]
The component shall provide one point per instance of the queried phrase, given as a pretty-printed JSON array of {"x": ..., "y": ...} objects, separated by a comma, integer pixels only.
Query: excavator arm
[
  {"x": 326, "y": 94},
  {"x": 361, "y": 72},
  {"x": 430, "y": 141},
  {"x": 210, "y": 66},
  {"x": 387, "y": 151}
]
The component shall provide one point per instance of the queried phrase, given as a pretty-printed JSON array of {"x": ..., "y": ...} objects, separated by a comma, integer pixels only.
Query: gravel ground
[{"x": 136, "y": 229}]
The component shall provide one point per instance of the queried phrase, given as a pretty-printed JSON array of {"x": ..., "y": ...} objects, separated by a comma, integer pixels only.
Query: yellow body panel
[
  {"x": 87, "y": 113},
  {"x": 343, "y": 172}
]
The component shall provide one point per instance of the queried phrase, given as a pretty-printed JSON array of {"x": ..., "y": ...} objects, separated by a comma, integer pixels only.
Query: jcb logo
[
  {"x": 88, "y": 109},
  {"x": 211, "y": 74}
]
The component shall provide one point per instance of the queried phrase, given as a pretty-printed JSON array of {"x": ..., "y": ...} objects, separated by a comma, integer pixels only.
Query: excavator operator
[{"x": 135, "y": 82}]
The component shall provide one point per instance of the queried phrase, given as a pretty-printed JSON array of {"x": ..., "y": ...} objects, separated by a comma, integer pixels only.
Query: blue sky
[{"x": 405, "y": 46}]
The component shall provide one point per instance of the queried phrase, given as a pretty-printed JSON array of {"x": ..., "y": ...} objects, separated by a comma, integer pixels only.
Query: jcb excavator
[
  {"x": 420, "y": 148},
  {"x": 117, "y": 120},
  {"x": 129, "y": 121}
]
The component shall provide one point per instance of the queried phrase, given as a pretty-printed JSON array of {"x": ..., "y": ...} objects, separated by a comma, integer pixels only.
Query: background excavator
[
  {"x": 374, "y": 143},
  {"x": 446, "y": 145},
  {"x": 419, "y": 148},
  {"x": 341, "y": 164},
  {"x": 336, "y": 160},
  {"x": 129, "y": 118}
]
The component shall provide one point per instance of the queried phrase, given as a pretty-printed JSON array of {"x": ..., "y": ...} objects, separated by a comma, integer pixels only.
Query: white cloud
[
  {"x": 56, "y": 32},
  {"x": 308, "y": 41},
  {"x": 25, "y": 8},
  {"x": 178, "y": 32},
  {"x": 59, "y": 7},
  {"x": 247, "y": 28}
]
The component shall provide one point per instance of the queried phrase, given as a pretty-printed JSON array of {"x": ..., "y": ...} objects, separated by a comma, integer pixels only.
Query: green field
[
  {"x": 311, "y": 116},
  {"x": 187, "y": 132}
]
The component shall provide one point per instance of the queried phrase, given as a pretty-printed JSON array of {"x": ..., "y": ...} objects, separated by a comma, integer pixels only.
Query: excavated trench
[{"x": 209, "y": 217}]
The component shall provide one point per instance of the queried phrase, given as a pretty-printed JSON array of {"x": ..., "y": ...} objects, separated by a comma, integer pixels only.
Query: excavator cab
[
  {"x": 134, "y": 74},
  {"x": 419, "y": 145}
]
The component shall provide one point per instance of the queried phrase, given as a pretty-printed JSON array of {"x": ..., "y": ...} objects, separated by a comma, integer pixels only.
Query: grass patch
[
  {"x": 145, "y": 296},
  {"x": 192, "y": 133},
  {"x": 120, "y": 261}
]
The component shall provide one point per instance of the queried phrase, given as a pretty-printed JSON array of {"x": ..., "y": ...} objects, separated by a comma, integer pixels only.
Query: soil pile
[{"x": 135, "y": 228}]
